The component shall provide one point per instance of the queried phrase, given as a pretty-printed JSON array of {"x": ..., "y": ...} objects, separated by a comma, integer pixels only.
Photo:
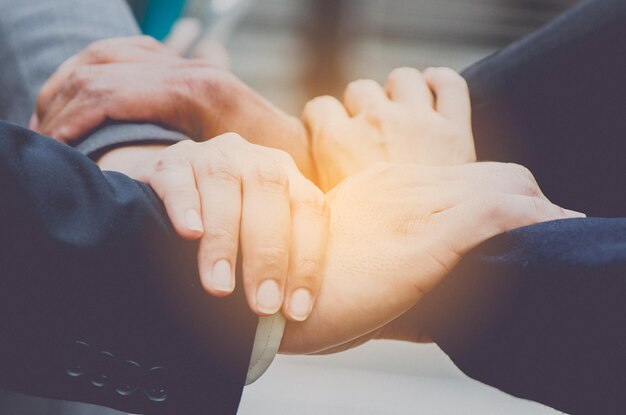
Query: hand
[
  {"x": 229, "y": 192},
  {"x": 404, "y": 123},
  {"x": 138, "y": 79},
  {"x": 396, "y": 231}
]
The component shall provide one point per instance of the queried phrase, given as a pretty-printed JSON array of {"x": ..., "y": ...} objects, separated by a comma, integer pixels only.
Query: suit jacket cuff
[{"x": 112, "y": 135}]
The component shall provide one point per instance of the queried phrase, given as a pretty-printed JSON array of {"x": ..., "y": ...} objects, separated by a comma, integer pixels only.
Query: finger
[
  {"x": 308, "y": 249},
  {"x": 118, "y": 50},
  {"x": 308, "y": 240},
  {"x": 173, "y": 180},
  {"x": 219, "y": 183},
  {"x": 71, "y": 118},
  {"x": 79, "y": 81},
  {"x": 58, "y": 104},
  {"x": 407, "y": 86},
  {"x": 452, "y": 95},
  {"x": 363, "y": 95},
  {"x": 54, "y": 86},
  {"x": 265, "y": 233},
  {"x": 471, "y": 223},
  {"x": 321, "y": 111}
]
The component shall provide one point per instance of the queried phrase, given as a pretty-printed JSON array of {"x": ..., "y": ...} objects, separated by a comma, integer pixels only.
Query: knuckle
[
  {"x": 269, "y": 173},
  {"x": 187, "y": 145},
  {"x": 359, "y": 85},
  {"x": 379, "y": 115},
  {"x": 96, "y": 52},
  {"x": 219, "y": 236},
  {"x": 313, "y": 106},
  {"x": 320, "y": 101},
  {"x": 402, "y": 71},
  {"x": 220, "y": 169},
  {"x": 313, "y": 199},
  {"x": 83, "y": 80},
  {"x": 229, "y": 138},
  {"x": 270, "y": 257},
  {"x": 281, "y": 156},
  {"x": 452, "y": 77},
  {"x": 79, "y": 78},
  {"x": 307, "y": 270}
]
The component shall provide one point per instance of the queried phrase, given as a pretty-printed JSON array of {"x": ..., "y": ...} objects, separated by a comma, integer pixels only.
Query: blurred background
[{"x": 293, "y": 50}]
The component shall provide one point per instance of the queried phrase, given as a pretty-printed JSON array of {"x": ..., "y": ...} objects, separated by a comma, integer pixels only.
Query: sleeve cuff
[
  {"x": 112, "y": 135},
  {"x": 269, "y": 334}
]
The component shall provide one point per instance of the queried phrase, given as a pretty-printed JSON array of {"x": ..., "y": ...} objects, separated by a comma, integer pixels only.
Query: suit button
[
  {"x": 155, "y": 388},
  {"x": 103, "y": 363},
  {"x": 130, "y": 376},
  {"x": 78, "y": 358}
]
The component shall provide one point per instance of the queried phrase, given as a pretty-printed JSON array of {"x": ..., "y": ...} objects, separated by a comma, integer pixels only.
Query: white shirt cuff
[{"x": 269, "y": 334}]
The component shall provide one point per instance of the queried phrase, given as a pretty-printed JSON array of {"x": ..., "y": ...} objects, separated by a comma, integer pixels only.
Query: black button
[
  {"x": 103, "y": 365},
  {"x": 130, "y": 377},
  {"x": 78, "y": 359},
  {"x": 156, "y": 389}
]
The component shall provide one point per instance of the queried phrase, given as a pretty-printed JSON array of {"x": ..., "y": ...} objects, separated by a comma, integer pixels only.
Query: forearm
[
  {"x": 91, "y": 257},
  {"x": 539, "y": 313},
  {"x": 554, "y": 102}
]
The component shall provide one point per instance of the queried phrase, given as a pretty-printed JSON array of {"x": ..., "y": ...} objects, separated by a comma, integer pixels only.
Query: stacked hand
[
  {"x": 397, "y": 229},
  {"x": 138, "y": 79},
  {"x": 389, "y": 233}
]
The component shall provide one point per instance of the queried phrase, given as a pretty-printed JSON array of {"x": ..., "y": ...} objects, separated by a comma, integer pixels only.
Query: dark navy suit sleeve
[
  {"x": 540, "y": 313},
  {"x": 100, "y": 301}
]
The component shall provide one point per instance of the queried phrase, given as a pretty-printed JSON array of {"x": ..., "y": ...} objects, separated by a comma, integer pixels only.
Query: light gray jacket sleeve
[{"x": 37, "y": 36}]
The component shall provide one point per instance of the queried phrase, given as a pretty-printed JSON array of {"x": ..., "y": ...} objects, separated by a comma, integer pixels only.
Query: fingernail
[
  {"x": 33, "y": 124},
  {"x": 193, "y": 221},
  {"x": 300, "y": 304},
  {"x": 574, "y": 214},
  {"x": 268, "y": 297},
  {"x": 221, "y": 277}
]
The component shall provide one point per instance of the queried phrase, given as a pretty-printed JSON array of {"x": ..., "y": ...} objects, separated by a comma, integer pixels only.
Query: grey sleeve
[{"x": 37, "y": 36}]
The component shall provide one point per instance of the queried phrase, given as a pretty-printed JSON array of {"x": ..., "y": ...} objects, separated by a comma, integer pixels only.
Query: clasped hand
[{"x": 404, "y": 201}]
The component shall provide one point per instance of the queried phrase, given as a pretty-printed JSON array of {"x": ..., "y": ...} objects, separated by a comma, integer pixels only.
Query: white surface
[{"x": 378, "y": 378}]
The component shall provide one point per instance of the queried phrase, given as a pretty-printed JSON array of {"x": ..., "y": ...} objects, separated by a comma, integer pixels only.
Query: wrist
[{"x": 223, "y": 104}]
